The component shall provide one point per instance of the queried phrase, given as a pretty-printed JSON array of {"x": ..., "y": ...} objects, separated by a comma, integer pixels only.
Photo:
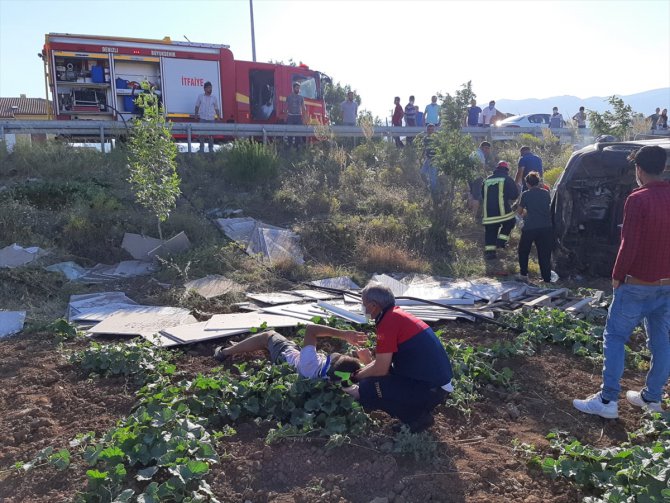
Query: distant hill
[{"x": 645, "y": 102}]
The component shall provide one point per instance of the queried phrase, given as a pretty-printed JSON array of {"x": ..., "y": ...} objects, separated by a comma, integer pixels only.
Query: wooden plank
[
  {"x": 569, "y": 303},
  {"x": 546, "y": 300},
  {"x": 580, "y": 306}
]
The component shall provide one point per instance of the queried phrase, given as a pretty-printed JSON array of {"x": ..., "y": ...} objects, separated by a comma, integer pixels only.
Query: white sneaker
[
  {"x": 595, "y": 405},
  {"x": 635, "y": 398}
]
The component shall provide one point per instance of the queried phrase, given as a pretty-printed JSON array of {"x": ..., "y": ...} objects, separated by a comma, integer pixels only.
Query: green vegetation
[
  {"x": 638, "y": 470},
  {"x": 250, "y": 163},
  {"x": 617, "y": 122},
  {"x": 139, "y": 360}
]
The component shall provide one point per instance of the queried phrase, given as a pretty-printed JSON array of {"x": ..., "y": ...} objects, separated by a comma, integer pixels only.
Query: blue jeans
[
  {"x": 429, "y": 176},
  {"x": 630, "y": 305}
]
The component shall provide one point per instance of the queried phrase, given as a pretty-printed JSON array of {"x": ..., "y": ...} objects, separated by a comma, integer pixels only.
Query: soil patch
[{"x": 45, "y": 401}]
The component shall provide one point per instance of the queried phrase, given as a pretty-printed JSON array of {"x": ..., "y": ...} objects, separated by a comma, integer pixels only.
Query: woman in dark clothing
[{"x": 535, "y": 209}]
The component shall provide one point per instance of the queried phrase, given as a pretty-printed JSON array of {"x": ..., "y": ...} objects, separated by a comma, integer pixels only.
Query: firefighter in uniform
[{"x": 498, "y": 192}]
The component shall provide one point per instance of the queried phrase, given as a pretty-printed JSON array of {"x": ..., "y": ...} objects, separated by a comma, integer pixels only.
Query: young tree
[
  {"x": 454, "y": 150},
  {"x": 616, "y": 123},
  {"x": 455, "y": 108},
  {"x": 151, "y": 158},
  {"x": 455, "y": 161}
]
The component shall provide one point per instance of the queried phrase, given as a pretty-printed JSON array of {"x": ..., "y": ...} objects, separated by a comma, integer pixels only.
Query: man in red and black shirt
[
  {"x": 411, "y": 373},
  {"x": 396, "y": 120},
  {"x": 641, "y": 283}
]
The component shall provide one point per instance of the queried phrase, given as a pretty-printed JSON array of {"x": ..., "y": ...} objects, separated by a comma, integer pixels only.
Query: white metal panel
[
  {"x": 138, "y": 44},
  {"x": 183, "y": 80}
]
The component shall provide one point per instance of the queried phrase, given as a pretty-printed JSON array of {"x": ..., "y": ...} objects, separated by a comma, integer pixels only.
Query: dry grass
[{"x": 390, "y": 258}]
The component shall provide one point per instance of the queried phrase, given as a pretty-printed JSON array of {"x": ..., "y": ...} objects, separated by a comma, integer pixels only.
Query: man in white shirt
[
  {"x": 349, "y": 110},
  {"x": 307, "y": 361},
  {"x": 489, "y": 114},
  {"x": 206, "y": 110}
]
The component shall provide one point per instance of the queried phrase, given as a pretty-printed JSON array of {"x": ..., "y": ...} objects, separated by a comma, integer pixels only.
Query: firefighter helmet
[{"x": 503, "y": 165}]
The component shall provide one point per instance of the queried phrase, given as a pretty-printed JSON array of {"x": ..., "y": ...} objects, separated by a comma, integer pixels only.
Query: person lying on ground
[
  {"x": 411, "y": 373},
  {"x": 307, "y": 361}
]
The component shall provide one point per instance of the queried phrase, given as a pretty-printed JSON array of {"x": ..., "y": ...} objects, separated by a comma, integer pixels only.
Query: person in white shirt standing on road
[
  {"x": 207, "y": 110},
  {"x": 489, "y": 114},
  {"x": 349, "y": 110}
]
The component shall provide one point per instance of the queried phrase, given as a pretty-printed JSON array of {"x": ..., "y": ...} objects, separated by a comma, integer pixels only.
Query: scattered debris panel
[
  {"x": 343, "y": 313},
  {"x": 80, "y": 303},
  {"x": 398, "y": 288},
  {"x": 139, "y": 246},
  {"x": 276, "y": 245},
  {"x": 302, "y": 311},
  {"x": 129, "y": 268},
  {"x": 139, "y": 323},
  {"x": 196, "y": 332},
  {"x": 98, "y": 314},
  {"x": 337, "y": 283},
  {"x": 14, "y": 255},
  {"x": 212, "y": 286},
  {"x": 158, "y": 339},
  {"x": 11, "y": 322},
  {"x": 125, "y": 269},
  {"x": 272, "y": 243},
  {"x": 173, "y": 246},
  {"x": 71, "y": 270},
  {"x": 314, "y": 294},
  {"x": 254, "y": 319},
  {"x": 274, "y": 298}
]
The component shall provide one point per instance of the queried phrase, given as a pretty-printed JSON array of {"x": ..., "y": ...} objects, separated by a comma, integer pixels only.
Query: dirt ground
[{"x": 45, "y": 401}]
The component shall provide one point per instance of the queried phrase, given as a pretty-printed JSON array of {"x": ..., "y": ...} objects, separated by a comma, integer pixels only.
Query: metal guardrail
[{"x": 104, "y": 130}]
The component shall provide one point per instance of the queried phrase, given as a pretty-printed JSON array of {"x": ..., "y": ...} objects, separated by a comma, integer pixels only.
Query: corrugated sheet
[{"x": 26, "y": 106}]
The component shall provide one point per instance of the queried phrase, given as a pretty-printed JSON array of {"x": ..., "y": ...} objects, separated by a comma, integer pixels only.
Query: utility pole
[{"x": 253, "y": 36}]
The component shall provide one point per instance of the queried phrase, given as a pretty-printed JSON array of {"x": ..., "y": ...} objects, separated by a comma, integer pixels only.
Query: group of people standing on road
[{"x": 431, "y": 116}]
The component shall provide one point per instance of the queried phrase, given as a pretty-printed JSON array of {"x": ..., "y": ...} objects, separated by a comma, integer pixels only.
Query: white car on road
[{"x": 525, "y": 120}]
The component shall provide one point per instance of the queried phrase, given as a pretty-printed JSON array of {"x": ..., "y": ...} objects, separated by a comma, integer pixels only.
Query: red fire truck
[{"x": 97, "y": 78}]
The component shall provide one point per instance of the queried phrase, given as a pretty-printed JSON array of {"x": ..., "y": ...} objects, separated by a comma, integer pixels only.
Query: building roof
[{"x": 11, "y": 108}]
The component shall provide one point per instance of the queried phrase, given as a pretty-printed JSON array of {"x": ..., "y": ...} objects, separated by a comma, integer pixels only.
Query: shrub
[
  {"x": 550, "y": 176},
  {"x": 17, "y": 221},
  {"x": 251, "y": 163}
]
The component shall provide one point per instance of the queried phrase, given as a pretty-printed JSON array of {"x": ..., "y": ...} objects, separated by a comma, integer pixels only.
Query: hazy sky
[{"x": 509, "y": 49}]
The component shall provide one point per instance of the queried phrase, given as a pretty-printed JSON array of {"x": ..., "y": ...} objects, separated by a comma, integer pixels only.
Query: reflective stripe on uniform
[
  {"x": 490, "y": 248},
  {"x": 502, "y": 216},
  {"x": 497, "y": 220},
  {"x": 503, "y": 237}
]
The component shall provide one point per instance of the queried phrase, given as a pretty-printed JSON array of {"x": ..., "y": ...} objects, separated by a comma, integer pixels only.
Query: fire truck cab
[{"x": 98, "y": 78}]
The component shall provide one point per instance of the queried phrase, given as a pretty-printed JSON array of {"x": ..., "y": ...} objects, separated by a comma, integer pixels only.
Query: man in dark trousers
[
  {"x": 411, "y": 373},
  {"x": 295, "y": 112},
  {"x": 396, "y": 120},
  {"x": 498, "y": 192},
  {"x": 535, "y": 208},
  {"x": 410, "y": 117},
  {"x": 641, "y": 283}
]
